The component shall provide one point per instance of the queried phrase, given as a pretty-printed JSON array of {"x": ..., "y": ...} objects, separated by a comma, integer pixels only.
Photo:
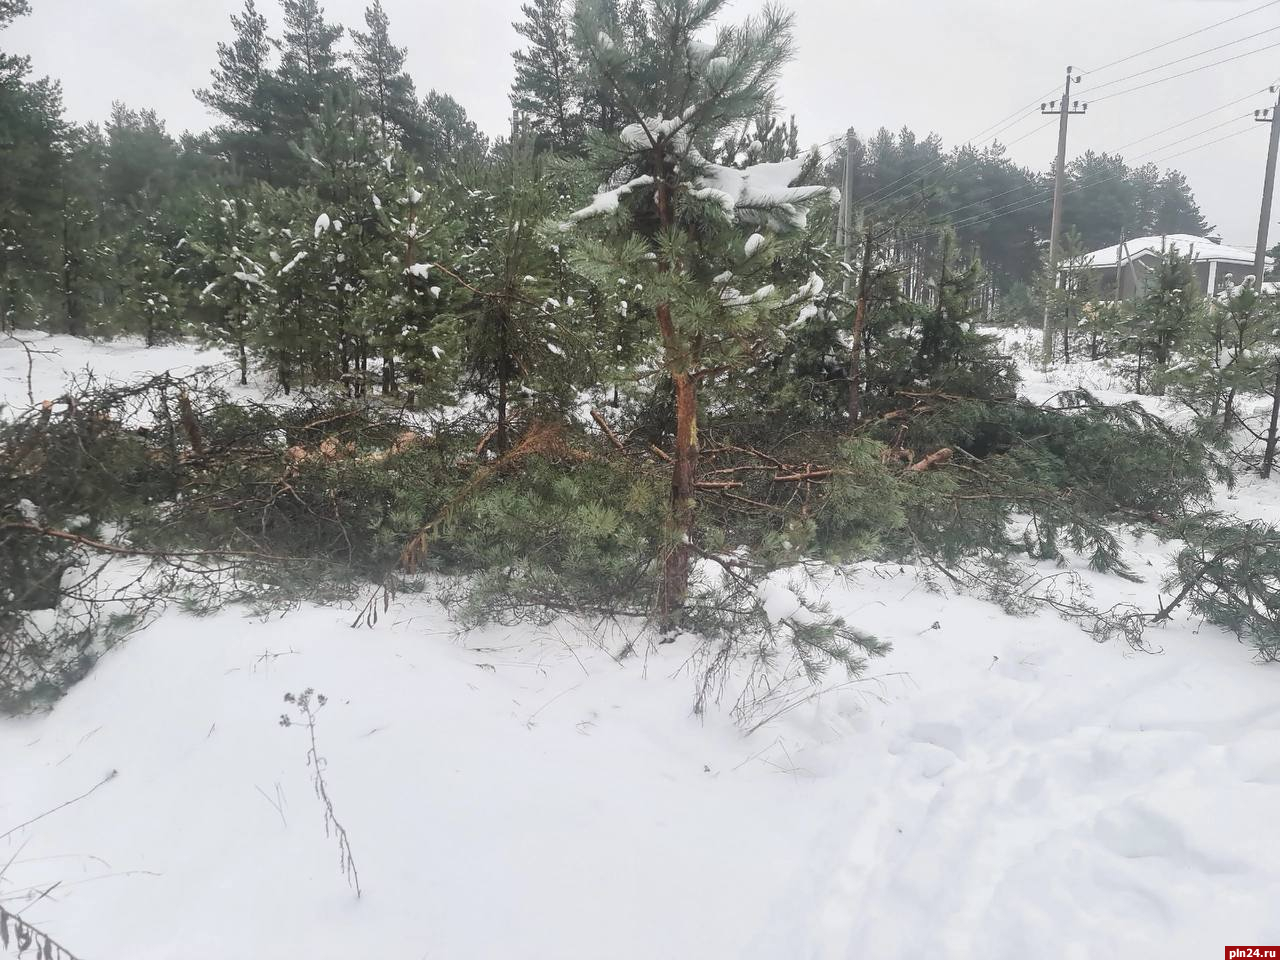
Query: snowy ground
[{"x": 997, "y": 788}]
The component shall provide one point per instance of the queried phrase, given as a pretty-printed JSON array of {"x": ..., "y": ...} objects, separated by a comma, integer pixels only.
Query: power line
[
  {"x": 879, "y": 197},
  {"x": 1198, "y": 116},
  {"x": 998, "y": 127},
  {"x": 1185, "y": 73},
  {"x": 1044, "y": 197},
  {"x": 873, "y": 204},
  {"x": 945, "y": 217},
  {"x": 1186, "y": 36},
  {"x": 1192, "y": 136},
  {"x": 1190, "y": 56}
]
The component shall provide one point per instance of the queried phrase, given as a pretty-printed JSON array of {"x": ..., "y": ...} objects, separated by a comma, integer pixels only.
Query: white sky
[{"x": 954, "y": 66}]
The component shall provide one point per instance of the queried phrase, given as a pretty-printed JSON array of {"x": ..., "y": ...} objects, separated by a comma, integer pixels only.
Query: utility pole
[
  {"x": 845, "y": 235},
  {"x": 1268, "y": 190},
  {"x": 1064, "y": 108},
  {"x": 859, "y": 327},
  {"x": 846, "y": 240},
  {"x": 1260, "y": 264}
]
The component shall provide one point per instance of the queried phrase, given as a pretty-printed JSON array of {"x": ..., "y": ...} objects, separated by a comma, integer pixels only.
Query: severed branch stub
[{"x": 935, "y": 459}]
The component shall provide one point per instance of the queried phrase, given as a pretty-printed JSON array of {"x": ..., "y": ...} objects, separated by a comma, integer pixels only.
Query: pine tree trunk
[
  {"x": 500, "y": 438},
  {"x": 389, "y": 385},
  {"x": 684, "y": 469},
  {"x": 244, "y": 365},
  {"x": 1270, "y": 456}
]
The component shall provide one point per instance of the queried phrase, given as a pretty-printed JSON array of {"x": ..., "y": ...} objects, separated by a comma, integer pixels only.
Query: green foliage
[
  {"x": 1162, "y": 320},
  {"x": 243, "y": 93},
  {"x": 382, "y": 80},
  {"x": 1227, "y": 572},
  {"x": 1229, "y": 352},
  {"x": 547, "y": 90}
]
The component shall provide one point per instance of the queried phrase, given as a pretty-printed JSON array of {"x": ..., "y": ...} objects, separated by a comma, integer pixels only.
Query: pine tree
[
  {"x": 1073, "y": 290},
  {"x": 692, "y": 236},
  {"x": 1176, "y": 208},
  {"x": 448, "y": 136},
  {"x": 245, "y": 93},
  {"x": 32, "y": 153},
  {"x": 413, "y": 301},
  {"x": 83, "y": 256},
  {"x": 546, "y": 89},
  {"x": 1166, "y": 315},
  {"x": 146, "y": 272},
  {"x": 311, "y": 68},
  {"x": 1227, "y": 354},
  {"x": 345, "y": 170},
  {"x": 141, "y": 157},
  {"x": 224, "y": 241},
  {"x": 525, "y": 345},
  {"x": 382, "y": 80}
]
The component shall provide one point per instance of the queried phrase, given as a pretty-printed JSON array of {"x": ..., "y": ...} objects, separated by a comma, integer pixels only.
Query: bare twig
[{"x": 26, "y": 823}]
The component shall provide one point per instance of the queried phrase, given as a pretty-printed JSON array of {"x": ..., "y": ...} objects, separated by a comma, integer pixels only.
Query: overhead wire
[
  {"x": 894, "y": 190},
  {"x": 1185, "y": 73},
  {"x": 1028, "y": 203},
  {"x": 1185, "y": 36},
  {"x": 874, "y": 204},
  {"x": 880, "y": 196},
  {"x": 994, "y": 130},
  {"x": 1190, "y": 56},
  {"x": 1198, "y": 116}
]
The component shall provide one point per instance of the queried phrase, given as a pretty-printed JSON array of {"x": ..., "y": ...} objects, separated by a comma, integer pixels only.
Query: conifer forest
[{"x": 647, "y": 529}]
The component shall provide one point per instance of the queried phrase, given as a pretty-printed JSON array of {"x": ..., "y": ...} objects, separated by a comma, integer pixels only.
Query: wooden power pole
[
  {"x": 1260, "y": 263},
  {"x": 846, "y": 237},
  {"x": 859, "y": 333},
  {"x": 1065, "y": 109},
  {"x": 845, "y": 233},
  {"x": 1268, "y": 190}
]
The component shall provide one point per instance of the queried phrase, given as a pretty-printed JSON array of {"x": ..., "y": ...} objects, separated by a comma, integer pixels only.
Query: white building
[{"x": 1133, "y": 262}]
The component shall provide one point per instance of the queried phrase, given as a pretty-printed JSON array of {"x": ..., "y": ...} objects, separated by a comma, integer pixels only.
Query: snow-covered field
[{"x": 994, "y": 788}]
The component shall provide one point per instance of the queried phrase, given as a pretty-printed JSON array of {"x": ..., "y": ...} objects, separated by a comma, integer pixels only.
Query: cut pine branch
[
  {"x": 937, "y": 458},
  {"x": 603, "y": 424}
]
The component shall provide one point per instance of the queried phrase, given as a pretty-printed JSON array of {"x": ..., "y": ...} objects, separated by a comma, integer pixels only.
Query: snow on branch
[
  {"x": 606, "y": 201},
  {"x": 762, "y": 194}
]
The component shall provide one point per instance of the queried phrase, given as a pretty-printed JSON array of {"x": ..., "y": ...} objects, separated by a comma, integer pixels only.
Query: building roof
[{"x": 1200, "y": 249}]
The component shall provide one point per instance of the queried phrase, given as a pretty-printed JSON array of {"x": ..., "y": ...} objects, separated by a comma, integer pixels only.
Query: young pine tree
[
  {"x": 411, "y": 303},
  {"x": 1165, "y": 316},
  {"x": 1228, "y": 354},
  {"x": 150, "y": 304},
  {"x": 692, "y": 237},
  {"x": 223, "y": 241},
  {"x": 525, "y": 345},
  {"x": 84, "y": 259}
]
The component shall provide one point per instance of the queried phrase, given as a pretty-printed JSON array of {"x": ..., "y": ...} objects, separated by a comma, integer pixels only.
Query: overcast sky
[{"x": 944, "y": 65}]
